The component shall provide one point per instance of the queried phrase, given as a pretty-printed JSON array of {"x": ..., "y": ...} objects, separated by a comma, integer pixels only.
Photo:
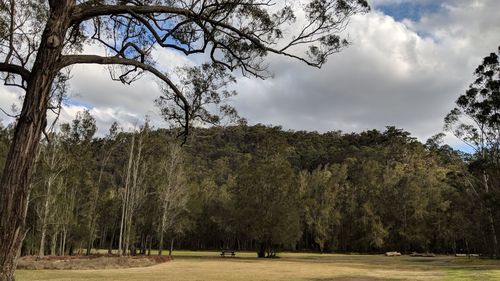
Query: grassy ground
[{"x": 291, "y": 267}]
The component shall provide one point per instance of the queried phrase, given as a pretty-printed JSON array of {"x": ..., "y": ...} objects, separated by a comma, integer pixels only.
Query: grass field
[{"x": 291, "y": 267}]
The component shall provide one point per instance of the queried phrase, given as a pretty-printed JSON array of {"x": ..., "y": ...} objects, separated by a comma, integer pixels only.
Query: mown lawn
[{"x": 291, "y": 267}]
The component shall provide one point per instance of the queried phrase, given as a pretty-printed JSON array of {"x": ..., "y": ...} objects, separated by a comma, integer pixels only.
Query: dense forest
[
  {"x": 256, "y": 188},
  {"x": 261, "y": 188}
]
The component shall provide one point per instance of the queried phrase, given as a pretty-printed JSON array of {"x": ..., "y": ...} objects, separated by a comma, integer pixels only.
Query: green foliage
[
  {"x": 476, "y": 121},
  {"x": 265, "y": 200},
  {"x": 319, "y": 198},
  {"x": 476, "y": 117},
  {"x": 264, "y": 189}
]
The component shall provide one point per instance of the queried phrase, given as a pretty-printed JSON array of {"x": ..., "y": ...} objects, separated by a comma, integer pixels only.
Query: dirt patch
[{"x": 89, "y": 262}]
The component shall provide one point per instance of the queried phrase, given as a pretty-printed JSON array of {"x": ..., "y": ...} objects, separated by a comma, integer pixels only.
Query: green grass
[{"x": 190, "y": 266}]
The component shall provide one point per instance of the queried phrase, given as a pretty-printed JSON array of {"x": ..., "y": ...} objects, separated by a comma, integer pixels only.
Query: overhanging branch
[
  {"x": 15, "y": 69},
  {"x": 94, "y": 59},
  {"x": 84, "y": 12}
]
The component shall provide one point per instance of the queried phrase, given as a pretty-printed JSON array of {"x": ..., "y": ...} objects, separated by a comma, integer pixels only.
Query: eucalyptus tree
[
  {"x": 265, "y": 197},
  {"x": 476, "y": 121},
  {"x": 319, "y": 189},
  {"x": 40, "y": 38},
  {"x": 106, "y": 151},
  {"x": 172, "y": 192},
  {"x": 134, "y": 191},
  {"x": 53, "y": 161}
]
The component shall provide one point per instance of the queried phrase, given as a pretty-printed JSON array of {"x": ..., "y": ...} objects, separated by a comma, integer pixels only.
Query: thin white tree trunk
[
  {"x": 171, "y": 247},
  {"x": 135, "y": 189},
  {"x": 53, "y": 244},
  {"x": 125, "y": 196},
  {"x": 162, "y": 230},
  {"x": 51, "y": 163},
  {"x": 43, "y": 232}
]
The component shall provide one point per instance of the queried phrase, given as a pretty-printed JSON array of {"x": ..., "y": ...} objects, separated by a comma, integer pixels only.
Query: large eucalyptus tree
[
  {"x": 476, "y": 121},
  {"x": 39, "y": 39}
]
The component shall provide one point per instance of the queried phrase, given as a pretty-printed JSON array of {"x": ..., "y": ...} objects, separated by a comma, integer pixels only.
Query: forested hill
[{"x": 252, "y": 188}]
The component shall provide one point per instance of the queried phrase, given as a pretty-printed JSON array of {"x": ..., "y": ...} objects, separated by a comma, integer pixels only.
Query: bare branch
[
  {"x": 8, "y": 114},
  {"x": 15, "y": 69}
]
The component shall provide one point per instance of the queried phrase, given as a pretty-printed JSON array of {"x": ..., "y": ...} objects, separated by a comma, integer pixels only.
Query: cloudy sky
[{"x": 409, "y": 61}]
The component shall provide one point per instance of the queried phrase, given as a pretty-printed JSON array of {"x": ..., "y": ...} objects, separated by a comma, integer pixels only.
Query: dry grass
[
  {"x": 291, "y": 267},
  {"x": 88, "y": 262}
]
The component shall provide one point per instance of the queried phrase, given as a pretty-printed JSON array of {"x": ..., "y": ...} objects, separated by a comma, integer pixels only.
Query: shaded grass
[{"x": 190, "y": 266}]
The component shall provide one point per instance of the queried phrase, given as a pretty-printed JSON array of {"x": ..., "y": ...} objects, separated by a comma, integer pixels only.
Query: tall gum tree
[
  {"x": 476, "y": 121},
  {"x": 38, "y": 39}
]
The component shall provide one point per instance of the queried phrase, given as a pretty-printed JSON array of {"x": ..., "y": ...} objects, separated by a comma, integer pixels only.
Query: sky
[{"x": 408, "y": 62}]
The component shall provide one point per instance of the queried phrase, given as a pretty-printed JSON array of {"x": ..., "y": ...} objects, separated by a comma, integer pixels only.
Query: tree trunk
[
  {"x": 102, "y": 240},
  {"x": 171, "y": 247},
  {"x": 261, "y": 252},
  {"x": 43, "y": 232},
  {"x": 160, "y": 247},
  {"x": 467, "y": 251},
  {"x": 150, "y": 244},
  {"x": 94, "y": 215},
  {"x": 53, "y": 244},
  {"x": 16, "y": 178},
  {"x": 491, "y": 220},
  {"x": 162, "y": 230},
  {"x": 143, "y": 245},
  {"x": 125, "y": 202},
  {"x": 127, "y": 236},
  {"x": 493, "y": 233},
  {"x": 60, "y": 253},
  {"x": 63, "y": 248},
  {"x": 110, "y": 248}
]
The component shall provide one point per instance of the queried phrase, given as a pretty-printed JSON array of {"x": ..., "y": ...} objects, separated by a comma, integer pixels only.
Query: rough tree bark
[{"x": 16, "y": 178}]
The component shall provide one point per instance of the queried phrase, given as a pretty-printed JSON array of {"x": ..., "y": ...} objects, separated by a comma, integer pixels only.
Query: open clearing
[{"x": 291, "y": 267}]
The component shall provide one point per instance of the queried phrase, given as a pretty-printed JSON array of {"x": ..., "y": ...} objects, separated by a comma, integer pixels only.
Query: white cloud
[
  {"x": 406, "y": 74},
  {"x": 9, "y": 98}
]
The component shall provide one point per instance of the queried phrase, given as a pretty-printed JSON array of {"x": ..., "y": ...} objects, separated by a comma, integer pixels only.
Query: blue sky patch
[
  {"x": 77, "y": 102},
  {"x": 410, "y": 10}
]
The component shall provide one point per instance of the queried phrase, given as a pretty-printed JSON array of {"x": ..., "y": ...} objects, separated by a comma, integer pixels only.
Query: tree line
[{"x": 256, "y": 188}]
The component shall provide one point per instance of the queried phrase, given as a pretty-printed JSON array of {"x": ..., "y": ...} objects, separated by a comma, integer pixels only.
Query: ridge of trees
[{"x": 253, "y": 188}]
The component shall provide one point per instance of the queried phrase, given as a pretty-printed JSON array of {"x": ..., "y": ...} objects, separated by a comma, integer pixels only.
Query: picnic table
[{"x": 224, "y": 253}]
